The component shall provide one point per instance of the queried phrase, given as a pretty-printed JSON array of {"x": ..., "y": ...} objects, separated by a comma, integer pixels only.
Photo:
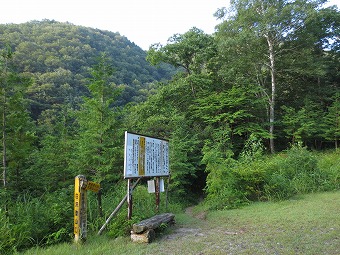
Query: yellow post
[{"x": 80, "y": 208}]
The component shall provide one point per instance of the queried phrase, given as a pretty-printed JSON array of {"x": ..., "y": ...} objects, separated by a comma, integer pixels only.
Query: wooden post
[
  {"x": 157, "y": 192},
  {"x": 166, "y": 194},
  {"x": 80, "y": 209},
  {"x": 129, "y": 199}
]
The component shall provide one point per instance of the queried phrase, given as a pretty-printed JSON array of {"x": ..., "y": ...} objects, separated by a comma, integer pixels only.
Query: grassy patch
[
  {"x": 304, "y": 225},
  {"x": 307, "y": 224}
]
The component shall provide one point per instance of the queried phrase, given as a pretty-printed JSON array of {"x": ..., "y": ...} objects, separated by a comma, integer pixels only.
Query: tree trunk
[
  {"x": 273, "y": 92},
  {"x": 4, "y": 156},
  {"x": 100, "y": 207},
  {"x": 336, "y": 144},
  {"x": 4, "y": 148},
  {"x": 4, "y": 152}
]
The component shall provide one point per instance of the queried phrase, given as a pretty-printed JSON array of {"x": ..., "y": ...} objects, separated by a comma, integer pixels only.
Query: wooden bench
[{"x": 144, "y": 231}]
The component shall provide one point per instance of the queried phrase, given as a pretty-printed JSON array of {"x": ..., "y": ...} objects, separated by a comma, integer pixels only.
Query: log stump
[
  {"x": 146, "y": 237},
  {"x": 144, "y": 231}
]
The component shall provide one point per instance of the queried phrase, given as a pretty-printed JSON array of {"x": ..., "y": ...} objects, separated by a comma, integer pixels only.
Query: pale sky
[{"x": 143, "y": 22}]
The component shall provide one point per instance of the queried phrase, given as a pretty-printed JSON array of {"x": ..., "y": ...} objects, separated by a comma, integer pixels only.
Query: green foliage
[
  {"x": 182, "y": 157},
  {"x": 300, "y": 225},
  {"x": 331, "y": 122},
  {"x": 329, "y": 165},
  {"x": 39, "y": 221},
  {"x": 234, "y": 112},
  {"x": 261, "y": 43},
  {"x": 58, "y": 56},
  {"x": 232, "y": 183},
  {"x": 190, "y": 51},
  {"x": 253, "y": 149},
  {"x": 98, "y": 144},
  {"x": 295, "y": 172},
  {"x": 51, "y": 161},
  {"x": 220, "y": 183},
  {"x": 163, "y": 115},
  {"x": 9, "y": 237},
  {"x": 303, "y": 125},
  {"x": 17, "y": 127}
]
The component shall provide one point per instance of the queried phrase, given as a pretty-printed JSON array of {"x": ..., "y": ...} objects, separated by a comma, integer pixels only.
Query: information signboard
[{"x": 145, "y": 156}]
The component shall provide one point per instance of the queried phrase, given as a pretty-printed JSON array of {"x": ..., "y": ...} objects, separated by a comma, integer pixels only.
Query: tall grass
[
  {"x": 35, "y": 221},
  {"x": 48, "y": 219},
  {"x": 278, "y": 177},
  {"x": 329, "y": 164}
]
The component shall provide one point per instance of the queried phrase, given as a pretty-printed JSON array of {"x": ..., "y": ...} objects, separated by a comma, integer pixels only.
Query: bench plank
[{"x": 153, "y": 222}]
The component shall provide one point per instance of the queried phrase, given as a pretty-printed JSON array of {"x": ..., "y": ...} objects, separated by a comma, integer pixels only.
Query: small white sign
[
  {"x": 151, "y": 186},
  {"x": 161, "y": 185},
  {"x": 145, "y": 156}
]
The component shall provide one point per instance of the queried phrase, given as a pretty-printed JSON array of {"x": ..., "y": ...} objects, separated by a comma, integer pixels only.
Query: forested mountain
[
  {"x": 265, "y": 83},
  {"x": 58, "y": 57}
]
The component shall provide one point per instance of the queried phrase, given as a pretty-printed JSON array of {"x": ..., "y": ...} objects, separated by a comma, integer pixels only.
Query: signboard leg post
[
  {"x": 129, "y": 199},
  {"x": 157, "y": 192},
  {"x": 166, "y": 194}
]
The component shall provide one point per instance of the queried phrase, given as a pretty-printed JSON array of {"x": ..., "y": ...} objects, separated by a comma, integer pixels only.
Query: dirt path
[
  {"x": 200, "y": 216},
  {"x": 185, "y": 231}
]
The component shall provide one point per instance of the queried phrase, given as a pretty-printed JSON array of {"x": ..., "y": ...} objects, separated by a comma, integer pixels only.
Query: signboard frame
[{"x": 145, "y": 156}]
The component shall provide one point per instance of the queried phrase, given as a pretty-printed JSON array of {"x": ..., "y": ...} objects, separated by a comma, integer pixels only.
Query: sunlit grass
[{"x": 308, "y": 224}]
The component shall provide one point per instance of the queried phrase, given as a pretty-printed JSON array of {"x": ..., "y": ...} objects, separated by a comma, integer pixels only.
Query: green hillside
[{"x": 58, "y": 56}]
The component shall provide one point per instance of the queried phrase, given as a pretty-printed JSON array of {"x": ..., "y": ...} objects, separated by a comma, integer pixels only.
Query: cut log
[
  {"x": 153, "y": 222},
  {"x": 145, "y": 237}
]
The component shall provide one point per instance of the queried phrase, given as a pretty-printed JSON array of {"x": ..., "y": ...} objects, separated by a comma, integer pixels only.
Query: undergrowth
[{"x": 232, "y": 183}]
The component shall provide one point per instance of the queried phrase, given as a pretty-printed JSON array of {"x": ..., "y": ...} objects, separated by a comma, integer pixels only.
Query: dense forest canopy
[
  {"x": 265, "y": 81},
  {"x": 58, "y": 56}
]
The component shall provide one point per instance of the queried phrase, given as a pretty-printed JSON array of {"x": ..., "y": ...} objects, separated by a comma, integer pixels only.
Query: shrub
[
  {"x": 329, "y": 165},
  {"x": 222, "y": 182},
  {"x": 294, "y": 172},
  {"x": 231, "y": 183},
  {"x": 277, "y": 187},
  {"x": 36, "y": 221},
  {"x": 8, "y": 238},
  {"x": 251, "y": 179}
]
